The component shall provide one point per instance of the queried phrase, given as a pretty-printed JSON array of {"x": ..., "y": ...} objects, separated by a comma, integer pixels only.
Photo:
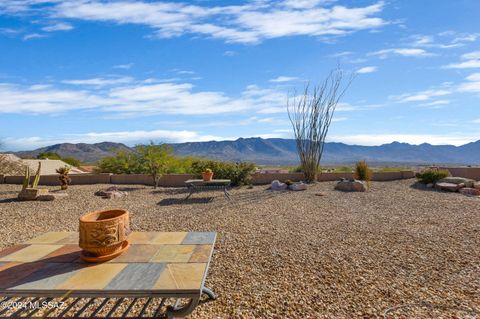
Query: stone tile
[
  {"x": 31, "y": 253},
  {"x": 11, "y": 273},
  {"x": 48, "y": 277},
  {"x": 49, "y": 238},
  {"x": 141, "y": 237},
  {"x": 200, "y": 238},
  {"x": 72, "y": 238},
  {"x": 92, "y": 277},
  {"x": 138, "y": 253},
  {"x": 11, "y": 250},
  {"x": 174, "y": 253},
  {"x": 170, "y": 238},
  {"x": 138, "y": 276},
  {"x": 65, "y": 254},
  {"x": 181, "y": 276},
  {"x": 201, "y": 254}
]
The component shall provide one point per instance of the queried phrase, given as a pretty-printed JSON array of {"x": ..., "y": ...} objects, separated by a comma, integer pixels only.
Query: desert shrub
[
  {"x": 238, "y": 173},
  {"x": 343, "y": 169},
  {"x": 296, "y": 169},
  {"x": 122, "y": 163},
  {"x": 49, "y": 155},
  {"x": 72, "y": 161},
  {"x": 362, "y": 171},
  {"x": 431, "y": 176}
]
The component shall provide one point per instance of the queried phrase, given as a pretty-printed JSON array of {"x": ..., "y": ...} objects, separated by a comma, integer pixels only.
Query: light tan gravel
[{"x": 297, "y": 255}]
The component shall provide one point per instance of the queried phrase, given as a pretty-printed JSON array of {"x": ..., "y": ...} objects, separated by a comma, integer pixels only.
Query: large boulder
[
  {"x": 352, "y": 185},
  {"x": 458, "y": 180},
  {"x": 451, "y": 187},
  {"x": 278, "y": 186},
  {"x": 470, "y": 191},
  {"x": 300, "y": 186}
]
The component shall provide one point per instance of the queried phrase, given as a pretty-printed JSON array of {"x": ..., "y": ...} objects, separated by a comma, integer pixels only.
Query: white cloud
[
  {"x": 282, "y": 79},
  {"x": 252, "y": 22},
  {"x": 123, "y": 66},
  {"x": 33, "y": 36},
  {"x": 126, "y": 97},
  {"x": 436, "y": 104},
  {"x": 473, "y": 84},
  {"x": 408, "y": 52},
  {"x": 379, "y": 139},
  {"x": 367, "y": 69},
  {"x": 471, "y": 60},
  {"x": 99, "y": 81},
  {"x": 421, "y": 96},
  {"x": 229, "y": 53},
  {"x": 58, "y": 27}
]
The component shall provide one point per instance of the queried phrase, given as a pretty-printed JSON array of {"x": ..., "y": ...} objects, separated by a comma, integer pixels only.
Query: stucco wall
[
  {"x": 467, "y": 172},
  {"x": 178, "y": 180}
]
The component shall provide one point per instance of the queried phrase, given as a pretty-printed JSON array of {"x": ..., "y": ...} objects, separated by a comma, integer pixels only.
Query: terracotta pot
[
  {"x": 104, "y": 232},
  {"x": 207, "y": 176}
]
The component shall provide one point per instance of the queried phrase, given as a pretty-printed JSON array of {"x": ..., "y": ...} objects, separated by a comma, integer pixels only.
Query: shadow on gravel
[
  {"x": 181, "y": 201},
  {"x": 8, "y": 200},
  {"x": 422, "y": 187},
  {"x": 175, "y": 191}
]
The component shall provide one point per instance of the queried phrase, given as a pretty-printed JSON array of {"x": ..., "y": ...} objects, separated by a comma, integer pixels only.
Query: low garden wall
[
  {"x": 466, "y": 172},
  {"x": 178, "y": 180}
]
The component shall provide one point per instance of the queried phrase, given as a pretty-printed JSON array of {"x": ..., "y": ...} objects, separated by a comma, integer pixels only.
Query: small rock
[
  {"x": 476, "y": 185},
  {"x": 447, "y": 187},
  {"x": 458, "y": 180},
  {"x": 430, "y": 185},
  {"x": 470, "y": 191},
  {"x": 300, "y": 186},
  {"x": 351, "y": 186},
  {"x": 278, "y": 186},
  {"x": 320, "y": 194}
]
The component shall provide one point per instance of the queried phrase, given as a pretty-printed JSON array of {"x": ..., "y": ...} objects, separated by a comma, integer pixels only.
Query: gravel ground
[{"x": 394, "y": 251}]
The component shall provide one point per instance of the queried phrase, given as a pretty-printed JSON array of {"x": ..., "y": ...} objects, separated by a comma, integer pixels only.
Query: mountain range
[{"x": 276, "y": 151}]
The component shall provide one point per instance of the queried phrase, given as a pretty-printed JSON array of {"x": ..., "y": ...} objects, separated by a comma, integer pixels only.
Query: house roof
[{"x": 49, "y": 166}]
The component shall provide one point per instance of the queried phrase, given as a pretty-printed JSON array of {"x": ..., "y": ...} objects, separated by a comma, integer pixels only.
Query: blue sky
[{"x": 134, "y": 71}]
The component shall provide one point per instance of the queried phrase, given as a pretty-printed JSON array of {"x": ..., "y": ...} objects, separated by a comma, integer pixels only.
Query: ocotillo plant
[{"x": 26, "y": 179}]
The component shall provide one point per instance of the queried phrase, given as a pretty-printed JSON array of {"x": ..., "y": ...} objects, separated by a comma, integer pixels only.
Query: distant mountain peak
[{"x": 277, "y": 151}]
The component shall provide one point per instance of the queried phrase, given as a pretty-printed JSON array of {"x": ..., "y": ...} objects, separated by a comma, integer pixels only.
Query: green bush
[
  {"x": 431, "y": 176},
  {"x": 362, "y": 172},
  {"x": 122, "y": 163},
  {"x": 296, "y": 169},
  {"x": 72, "y": 161},
  {"x": 238, "y": 173}
]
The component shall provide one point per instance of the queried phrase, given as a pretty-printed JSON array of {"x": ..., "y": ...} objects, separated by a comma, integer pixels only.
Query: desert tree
[
  {"x": 311, "y": 114},
  {"x": 155, "y": 160}
]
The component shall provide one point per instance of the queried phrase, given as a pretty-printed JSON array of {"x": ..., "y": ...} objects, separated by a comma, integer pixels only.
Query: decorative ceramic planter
[
  {"x": 31, "y": 193},
  {"x": 207, "y": 176},
  {"x": 104, "y": 233}
]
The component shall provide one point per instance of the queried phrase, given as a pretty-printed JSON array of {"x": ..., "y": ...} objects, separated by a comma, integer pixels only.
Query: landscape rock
[
  {"x": 300, "y": 186},
  {"x": 476, "y": 185},
  {"x": 457, "y": 180},
  {"x": 115, "y": 194},
  {"x": 430, "y": 185},
  {"x": 451, "y": 187},
  {"x": 46, "y": 198},
  {"x": 351, "y": 186},
  {"x": 111, "y": 192},
  {"x": 470, "y": 191},
  {"x": 278, "y": 186}
]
